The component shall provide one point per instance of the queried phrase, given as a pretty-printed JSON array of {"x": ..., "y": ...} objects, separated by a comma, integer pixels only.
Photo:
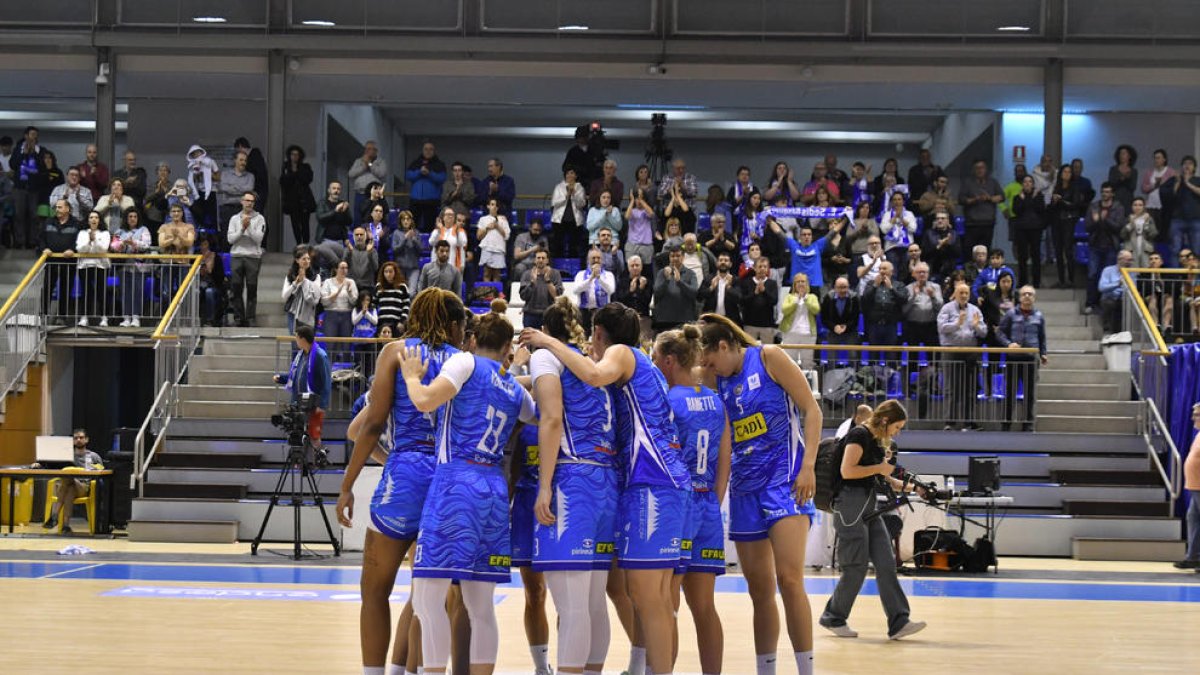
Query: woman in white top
[
  {"x": 1152, "y": 179},
  {"x": 337, "y": 296},
  {"x": 112, "y": 206},
  {"x": 567, "y": 215},
  {"x": 1139, "y": 233},
  {"x": 132, "y": 237},
  {"x": 301, "y": 290},
  {"x": 91, "y": 243},
  {"x": 492, "y": 232},
  {"x": 899, "y": 228},
  {"x": 799, "y": 323},
  {"x": 602, "y": 216}
]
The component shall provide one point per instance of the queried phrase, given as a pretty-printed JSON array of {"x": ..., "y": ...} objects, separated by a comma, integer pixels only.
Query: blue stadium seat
[
  {"x": 393, "y": 219},
  {"x": 960, "y": 225},
  {"x": 1081, "y": 231},
  {"x": 225, "y": 260},
  {"x": 1081, "y": 253},
  {"x": 476, "y": 214},
  {"x": 703, "y": 222},
  {"x": 543, "y": 214},
  {"x": 498, "y": 286}
]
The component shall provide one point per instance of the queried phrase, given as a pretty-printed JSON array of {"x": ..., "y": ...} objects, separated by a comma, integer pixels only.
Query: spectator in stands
[
  {"x": 883, "y": 303},
  {"x": 940, "y": 247},
  {"x": 996, "y": 303},
  {"x": 93, "y": 242},
  {"x": 1184, "y": 193},
  {"x": 1139, "y": 233},
  {"x": 426, "y": 175},
  {"x": 301, "y": 290},
  {"x": 407, "y": 245},
  {"x": 133, "y": 177},
  {"x": 1112, "y": 292},
  {"x": 527, "y": 244},
  {"x": 333, "y": 228},
  {"x": 837, "y": 176},
  {"x": 791, "y": 225},
  {"x": 672, "y": 233},
  {"x": 539, "y": 288},
  {"x": 78, "y": 197},
  {"x": 470, "y": 267},
  {"x": 905, "y": 272},
  {"x": 158, "y": 199},
  {"x": 988, "y": 276},
  {"x": 960, "y": 324},
  {"x": 675, "y": 289},
  {"x": 1067, "y": 204},
  {"x": 113, "y": 205},
  {"x": 203, "y": 177},
  {"x": 639, "y": 239},
  {"x": 807, "y": 254},
  {"x": 680, "y": 207},
  {"x": 256, "y": 164},
  {"x": 1025, "y": 226},
  {"x": 391, "y": 296},
  {"x": 607, "y": 181},
  {"x": 798, "y": 318},
  {"x": 1160, "y": 300},
  {"x": 972, "y": 268},
  {"x": 611, "y": 256},
  {"x": 93, "y": 173},
  {"x": 364, "y": 317},
  {"x": 1104, "y": 219},
  {"x": 375, "y": 198},
  {"x": 580, "y": 158},
  {"x": 69, "y": 489},
  {"x": 861, "y": 229},
  {"x": 310, "y": 373},
  {"x": 750, "y": 224},
  {"x": 634, "y": 290},
  {"x": 924, "y": 176},
  {"x": 1085, "y": 185},
  {"x": 1191, "y": 483},
  {"x": 370, "y": 168},
  {"x": 363, "y": 261},
  {"x": 53, "y": 178},
  {"x": 837, "y": 259},
  {"x": 718, "y": 240},
  {"x": 760, "y": 297},
  {"x": 594, "y": 286},
  {"x": 376, "y": 227},
  {"x": 680, "y": 185},
  {"x": 6, "y": 148},
  {"x": 1153, "y": 179},
  {"x": 604, "y": 215},
  {"x": 1022, "y": 326},
  {"x": 721, "y": 293},
  {"x": 739, "y": 192},
  {"x": 338, "y": 294},
  {"x": 649, "y": 191},
  {"x": 567, "y": 215},
  {"x": 499, "y": 185},
  {"x": 939, "y": 191},
  {"x": 868, "y": 267},
  {"x": 58, "y": 235},
  {"x": 458, "y": 192},
  {"x": 211, "y": 279},
  {"x": 245, "y": 235},
  {"x": 840, "y": 311},
  {"x": 492, "y": 232},
  {"x": 860, "y": 185},
  {"x": 782, "y": 182},
  {"x": 1044, "y": 175},
  {"x": 820, "y": 179},
  {"x": 233, "y": 185},
  {"x": 921, "y": 310},
  {"x": 890, "y": 171},
  {"x": 455, "y": 236},
  {"x": 820, "y": 226},
  {"x": 1013, "y": 189},
  {"x": 28, "y": 164},
  {"x": 439, "y": 272},
  {"x": 698, "y": 259},
  {"x": 979, "y": 196},
  {"x": 297, "y": 198},
  {"x": 1123, "y": 175},
  {"x": 899, "y": 228}
]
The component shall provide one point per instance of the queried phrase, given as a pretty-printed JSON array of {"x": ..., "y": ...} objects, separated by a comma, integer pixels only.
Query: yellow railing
[
  {"x": 1148, "y": 321},
  {"x": 25, "y": 281},
  {"x": 169, "y": 315}
]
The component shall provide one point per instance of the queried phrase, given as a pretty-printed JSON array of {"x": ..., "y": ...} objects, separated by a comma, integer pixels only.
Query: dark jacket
[
  {"x": 332, "y": 224},
  {"x": 1070, "y": 205},
  {"x": 830, "y": 316},
  {"x": 883, "y": 305},
  {"x": 28, "y": 169},
  {"x": 59, "y": 238},
  {"x": 319, "y": 381},
  {"x": 733, "y": 299},
  {"x": 639, "y": 300},
  {"x": 758, "y": 309},
  {"x": 296, "y": 188},
  {"x": 426, "y": 188},
  {"x": 256, "y": 164},
  {"x": 1025, "y": 330},
  {"x": 1105, "y": 233},
  {"x": 941, "y": 259},
  {"x": 1029, "y": 212}
]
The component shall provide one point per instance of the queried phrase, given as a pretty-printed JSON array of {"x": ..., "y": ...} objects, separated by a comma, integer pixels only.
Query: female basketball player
[
  {"x": 524, "y": 493},
  {"x": 704, "y": 437},
  {"x": 650, "y": 508},
  {"x": 771, "y": 479},
  {"x": 436, "y": 326},
  {"x": 576, "y": 503},
  {"x": 464, "y": 531},
  {"x": 868, "y": 449}
]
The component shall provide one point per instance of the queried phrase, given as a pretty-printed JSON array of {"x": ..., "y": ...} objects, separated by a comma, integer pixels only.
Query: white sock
[
  {"x": 541, "y": 657},
  {"x": 637, "y": 661},
  {"x": 373, "y": 670},
  {"x": 804, "y": 663},
  {"x": 394, "y": 669},
  {"x": 765, "y": 664}
]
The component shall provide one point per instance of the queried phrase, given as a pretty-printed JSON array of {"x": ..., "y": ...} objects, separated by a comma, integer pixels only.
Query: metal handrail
[
  {"x": 169, "y": 315},
  {"x": 1148, "y": 323},
  {"x": 911, "y": 348},
  {"x": 142, "y": 464},
  {"x": 20, "y": 289},
  {"x": 1172, "y": 483}
]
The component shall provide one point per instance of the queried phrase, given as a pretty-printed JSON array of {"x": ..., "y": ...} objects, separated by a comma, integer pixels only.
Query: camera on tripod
[{"x": 293, "y": 421}]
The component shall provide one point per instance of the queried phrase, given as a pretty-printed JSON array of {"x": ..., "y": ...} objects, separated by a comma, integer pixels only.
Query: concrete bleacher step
[
  {"x": 1100, "y": 477},
  {"x": 164, "y": 490},
  {"x": 210, "y": 392},
  {"x": 1072, "y": 376},
  {"x": 1075, "y": 423},
  {"x": 257, "y": 482},
  {"x": 227, "y": 409},
  {"x": 1112, "y": 548},
  {"x": 1109, "y": 508},
  {"x": 230, "y": 378},
  {"x": 247, "y": 513},
  {"x": 184, "y": 531},
  {"x": 1077, "y": 392},
  {"x": 1049, "y": 307},
  {"x": 1060, "y": 333},
  {"x": 203, "y": 362},
  {"x": 1072, "y": 346},
  {"x": 240, "y": 347},
  {"x": 237, "y": 332},
  {"x": 225, "y": 460},
  {"x": 1091, "y": 408},
  {"x": 266, "y": 451},
  {"x": 250, "y": 428}
]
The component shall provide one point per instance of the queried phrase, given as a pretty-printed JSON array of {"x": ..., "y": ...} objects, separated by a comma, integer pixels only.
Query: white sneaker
[
  {"x": 842, "y": 631},
  {"x": 125, "y": 323},
  {"x": 83, "y": 322},
  {"x": 104, "y": 322},
  {"x": 134, "y": 323},
  {"x": 910, "y": 628}
]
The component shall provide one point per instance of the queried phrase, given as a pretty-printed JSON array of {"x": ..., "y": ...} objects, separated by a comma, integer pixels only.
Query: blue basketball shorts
[
  {"x": 400, "y": 496},
  {"x": 464, "y": 529},
  {"x": 707, "y": 533},
  {"x": 522, "y": 525},
  {"x": 650, "y": 526},
  {"x": 585, "y": 511},
  {"x": 752, "y": 514}
]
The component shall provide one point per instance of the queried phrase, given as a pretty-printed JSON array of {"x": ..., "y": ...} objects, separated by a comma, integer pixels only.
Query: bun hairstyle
[
  {"x": 493, "y": 332},
  {"x": 433, "y": 314},
  {"x": 885, "y": 415},
  {"x": 498, "y": 306},
  {"x": 563, "y": 321},
  {"x": 683, "y": 344},
  {"x": 620, "y": 323},
  {"x": 715, "y": 329}
]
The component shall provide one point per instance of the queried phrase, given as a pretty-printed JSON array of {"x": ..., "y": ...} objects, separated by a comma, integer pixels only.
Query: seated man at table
[{"x": 70, "y": 488}]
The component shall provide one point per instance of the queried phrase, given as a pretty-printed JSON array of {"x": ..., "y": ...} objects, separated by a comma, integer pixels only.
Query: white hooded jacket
[{"x": 203, "y": 165}]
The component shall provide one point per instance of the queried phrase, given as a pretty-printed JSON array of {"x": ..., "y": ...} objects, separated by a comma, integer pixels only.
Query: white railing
[
  {"x": 1159, "y": 442},
  {"x": 22, "y": 328}
]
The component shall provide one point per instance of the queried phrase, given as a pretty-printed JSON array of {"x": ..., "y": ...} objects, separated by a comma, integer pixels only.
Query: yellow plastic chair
[{"x": 89, "y": 500}]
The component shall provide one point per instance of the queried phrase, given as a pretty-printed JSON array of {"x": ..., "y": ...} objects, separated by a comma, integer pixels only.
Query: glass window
[
  {"x": 192, "y": 13},
  {"x": 47, "y": 12},
  {"x": 378, "y": 14},
  {"x": 607, "y": 16},
  {"x": 1147, "y": 18},
  {"x": 950, "y": 18},
  {"x": 758, "y": 17}
]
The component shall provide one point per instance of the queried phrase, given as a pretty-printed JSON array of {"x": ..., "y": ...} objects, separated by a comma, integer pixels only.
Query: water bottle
[{"x": 950, "y": 485}]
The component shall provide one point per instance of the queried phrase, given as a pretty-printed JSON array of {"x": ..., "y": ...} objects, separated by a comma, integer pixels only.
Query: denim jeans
[
  {"x": 1181, "y": 229},
  {"x": 1193, "y": 526},
  {"x": 1098, "y": 259}
]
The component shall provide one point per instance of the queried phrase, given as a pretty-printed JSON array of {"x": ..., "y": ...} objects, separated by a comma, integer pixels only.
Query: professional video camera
[
  {"x": 293, "y": 421},
  {"x": 598, "y": 146},
  {"x": 658, "y": 153}
]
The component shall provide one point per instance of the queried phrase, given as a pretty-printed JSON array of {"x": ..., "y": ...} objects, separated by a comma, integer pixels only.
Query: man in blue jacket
[
  {"x": 425, "y": 176},
  {"x": 310, "y": 373},
  {"x": 1022, "y": 326}
]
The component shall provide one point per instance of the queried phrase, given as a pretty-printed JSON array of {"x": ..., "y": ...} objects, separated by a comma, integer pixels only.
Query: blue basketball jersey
[
  {"x": 411, "y": 429},
  {"x": 526, "y": 453},
  {"x": 700, "y": 421},
  {"x": 644, "y": 416},
  {"x": 765, "y": 425},
  {"x": 476, "y": 424},
  {"x": 588, "y": 429}
]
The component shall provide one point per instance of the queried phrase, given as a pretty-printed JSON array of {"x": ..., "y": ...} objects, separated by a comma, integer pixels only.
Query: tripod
[{"x": 305, "y": 483}]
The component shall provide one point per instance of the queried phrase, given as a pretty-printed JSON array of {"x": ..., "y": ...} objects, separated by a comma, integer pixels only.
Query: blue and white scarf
[{"x": 599, "y": 297}]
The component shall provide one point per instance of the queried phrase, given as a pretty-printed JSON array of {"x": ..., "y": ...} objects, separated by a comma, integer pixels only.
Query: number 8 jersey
[
  {"x": 765, "y": 425},
  {"x": 476, "y": 424}
]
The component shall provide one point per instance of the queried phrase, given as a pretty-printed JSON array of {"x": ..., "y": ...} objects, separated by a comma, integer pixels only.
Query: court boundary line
[{"x": 69, "y": 571}]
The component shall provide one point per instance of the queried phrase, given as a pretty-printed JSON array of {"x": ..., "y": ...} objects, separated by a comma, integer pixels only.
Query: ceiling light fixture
[
  {"x": 1013, "y": 29},
  {"x": 318, "y": 22},
  {"x": 208, "y": 19},
  {"x": 573, "y": 26}
]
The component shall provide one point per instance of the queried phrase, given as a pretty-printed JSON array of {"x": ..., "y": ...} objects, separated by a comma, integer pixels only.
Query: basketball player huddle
[{"x": 619, "y": 473}]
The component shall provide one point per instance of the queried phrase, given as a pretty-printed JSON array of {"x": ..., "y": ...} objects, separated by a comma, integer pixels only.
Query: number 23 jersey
[
  {"x": 765, "y": 425},
  {"x": 476, "y": 424}
]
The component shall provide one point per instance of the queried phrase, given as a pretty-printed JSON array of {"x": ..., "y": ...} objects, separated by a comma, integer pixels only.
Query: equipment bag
[{"x": 828, "y": 472}]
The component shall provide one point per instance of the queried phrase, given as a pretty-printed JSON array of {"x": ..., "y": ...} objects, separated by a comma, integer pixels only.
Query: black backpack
[{"x": 828, "y": 470}]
